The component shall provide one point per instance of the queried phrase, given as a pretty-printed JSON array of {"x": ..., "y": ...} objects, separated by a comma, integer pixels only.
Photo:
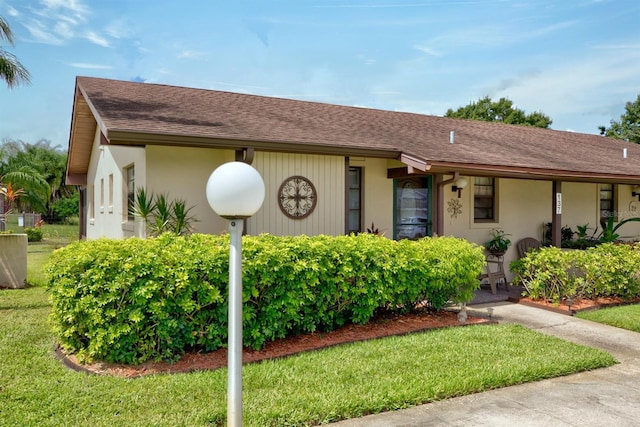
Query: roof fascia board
[
  {"x": 94, "y": 111},
  {"x": 414, "y": 163},
  {"x": 115, "y": 137},
  {"x": 76, "y": 179},
  {"x": 529, "y": 173}
]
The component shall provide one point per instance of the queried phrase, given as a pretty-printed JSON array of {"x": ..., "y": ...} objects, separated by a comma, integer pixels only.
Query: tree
[
  {"x": 11, "y": 70},
  {"x": 38, "y": 169},
  {"x": 628, "y": 128},
  {"x": 499, "y": 111}
]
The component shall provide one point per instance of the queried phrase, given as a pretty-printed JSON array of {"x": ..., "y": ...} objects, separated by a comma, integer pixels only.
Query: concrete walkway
[{"x": 604, "y": 397}]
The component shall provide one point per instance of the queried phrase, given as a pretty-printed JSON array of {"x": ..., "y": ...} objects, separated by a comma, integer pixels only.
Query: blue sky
[{"x": 578, "y": 61}]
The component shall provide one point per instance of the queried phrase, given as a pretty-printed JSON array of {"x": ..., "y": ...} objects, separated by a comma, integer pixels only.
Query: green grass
[
  {"x": 625, "y": 316},
  {"x": 317, "y": 387},
  {"x": 54, "y": 236}
]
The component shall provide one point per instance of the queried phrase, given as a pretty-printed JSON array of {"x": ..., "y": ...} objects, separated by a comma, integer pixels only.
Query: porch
[{"x": 484, "y": 294}]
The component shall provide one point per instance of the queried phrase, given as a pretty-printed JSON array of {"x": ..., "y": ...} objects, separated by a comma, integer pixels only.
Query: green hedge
[
  {"x": 134, "y": 300},
  {"x": 602, "y": 271}
]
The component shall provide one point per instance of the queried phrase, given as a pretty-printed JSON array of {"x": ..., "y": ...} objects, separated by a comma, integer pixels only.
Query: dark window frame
[
  {"x": 358, "y": 189},
  {"x": 607, "y": 202},
  {"x": 485, "y": 206}
]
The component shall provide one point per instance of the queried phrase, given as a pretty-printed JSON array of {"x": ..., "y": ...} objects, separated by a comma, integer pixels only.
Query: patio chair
[
  {"x": 494, "y": 273},
  {"x": 527, "y": 244}
]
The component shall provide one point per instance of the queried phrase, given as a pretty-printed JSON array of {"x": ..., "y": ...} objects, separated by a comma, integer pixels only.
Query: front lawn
[
  {"x": 625, "y": 316},
  {"x": 317, "y": 387}
]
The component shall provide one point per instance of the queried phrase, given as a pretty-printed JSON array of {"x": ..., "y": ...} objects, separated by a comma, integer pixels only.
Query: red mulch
[
  {"x": 579, "y": 304},
  {"x": 382, "y": 326}
]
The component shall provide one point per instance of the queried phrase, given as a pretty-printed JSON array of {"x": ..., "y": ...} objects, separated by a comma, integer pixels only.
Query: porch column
[
  {"x": 436, "y": 210},
  {"x": 556, "y": 217}
]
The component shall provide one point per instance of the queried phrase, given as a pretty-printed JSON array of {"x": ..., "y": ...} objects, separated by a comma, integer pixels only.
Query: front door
[{"x": 412, "y": 208}]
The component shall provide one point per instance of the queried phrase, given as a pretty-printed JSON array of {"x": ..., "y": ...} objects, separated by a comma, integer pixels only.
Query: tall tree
[
  {"x": 628, "y": 128},
  {"x": 38, "y": 169},
  {"x": 11, "y": 70},
  {"x": 499, "y": 111}
]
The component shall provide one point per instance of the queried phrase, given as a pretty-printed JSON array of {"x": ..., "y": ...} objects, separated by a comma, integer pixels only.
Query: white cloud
[
  {"x": 58, "y": 21},
  {"x": 64, "y": 30},
  {"x": 190, "y": 54},
  {"x": 40, "y": 34},
  {"x": 12, "y": 11},
  {"x": 91, "y": 66},
  {"x": 66, "y": 7},
  {"x": 96, "y": 39},
  {"x": 427, "y": 50}
]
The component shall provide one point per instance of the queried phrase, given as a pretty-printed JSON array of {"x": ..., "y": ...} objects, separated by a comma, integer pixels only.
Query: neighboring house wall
[
  {"x": 327, "y": 173},
  {"x": 106, "y": 189}
]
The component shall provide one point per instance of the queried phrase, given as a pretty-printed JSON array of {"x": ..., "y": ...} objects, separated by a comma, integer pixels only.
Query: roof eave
[
  {"x": 532, "y": 173},
  {"x": 127, "y": 137}
]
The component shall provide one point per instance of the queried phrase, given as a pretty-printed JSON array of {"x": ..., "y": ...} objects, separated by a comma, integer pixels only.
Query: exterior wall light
[
  {"x": 235, "y": 191},
  {"x": 635, "y": 191},
  {"x": 459, "y": 185}
]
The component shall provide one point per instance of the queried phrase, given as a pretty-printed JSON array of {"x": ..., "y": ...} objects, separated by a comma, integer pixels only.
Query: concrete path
[{"x": 604, "y": 397}]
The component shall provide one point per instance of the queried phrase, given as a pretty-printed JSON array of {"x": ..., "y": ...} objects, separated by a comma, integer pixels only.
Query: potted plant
[{"x": 499, "y": 243}]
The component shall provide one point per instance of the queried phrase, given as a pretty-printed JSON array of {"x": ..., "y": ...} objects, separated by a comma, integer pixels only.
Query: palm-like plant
[
  {"x": 161, "y": 215},
  {"x": 11, "y": 70},
  {"x": 35, "y": 189},
  {"x": 181, "y": 219},
  {"x": 11, "y": 194}
]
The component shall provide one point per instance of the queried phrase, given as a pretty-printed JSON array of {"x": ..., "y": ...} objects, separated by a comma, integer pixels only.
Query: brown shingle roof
[{"x": 140, "y": 113}]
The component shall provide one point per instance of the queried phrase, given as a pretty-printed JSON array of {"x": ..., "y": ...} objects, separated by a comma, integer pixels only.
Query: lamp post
[{"x": 235, "y": 191}]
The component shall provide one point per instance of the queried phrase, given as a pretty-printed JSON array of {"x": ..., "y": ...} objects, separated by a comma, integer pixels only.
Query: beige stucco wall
[
  {"x": 378, "y": 194},
  {"x": 182, "y": 173},
  {"x": 109, "y": 217},
  {"x": 627, "y": 207},
  {"x": 525, "y": 205},
  {"x": 327, "y": 173}
]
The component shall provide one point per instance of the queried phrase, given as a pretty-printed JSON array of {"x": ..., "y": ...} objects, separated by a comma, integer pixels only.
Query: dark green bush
[
  {"x": 34, "y": 234},
  {"x": 134, "y": 300},
  {"x": 602, "y": 271}
]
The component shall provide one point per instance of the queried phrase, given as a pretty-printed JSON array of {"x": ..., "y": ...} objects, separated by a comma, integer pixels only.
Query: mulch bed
[
  {"x": 582, "y": 304},
  {"x": 384, "y": 325}
]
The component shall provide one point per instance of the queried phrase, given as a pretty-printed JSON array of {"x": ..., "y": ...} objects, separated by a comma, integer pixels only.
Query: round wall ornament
[{"x": 297, "y": 197}]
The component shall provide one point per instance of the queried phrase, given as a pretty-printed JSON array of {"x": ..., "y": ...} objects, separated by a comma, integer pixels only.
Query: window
[
  {"x": 607, "y": 202},
  {"x": 110, "y": 192},
  {"x": 354, "y": 200},
  {"x": 101, "y": 194},
  {"x": 412, "y": 214},
  {"x": 92, "y": 202},
  {"x": 131, "y": 192},
  {"x": 484, "y": 199}
]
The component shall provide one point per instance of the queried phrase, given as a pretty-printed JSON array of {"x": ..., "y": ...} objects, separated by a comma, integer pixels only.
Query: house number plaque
[{"x": 297, "y": 197}]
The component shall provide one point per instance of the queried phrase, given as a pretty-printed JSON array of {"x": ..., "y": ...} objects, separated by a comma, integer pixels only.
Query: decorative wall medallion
[
  {"x": 297, "y": 197},
  {"x": 455, "y": 208}
]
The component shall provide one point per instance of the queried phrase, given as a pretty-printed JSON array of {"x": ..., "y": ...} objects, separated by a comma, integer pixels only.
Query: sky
[{"x": 577, "y": 61}]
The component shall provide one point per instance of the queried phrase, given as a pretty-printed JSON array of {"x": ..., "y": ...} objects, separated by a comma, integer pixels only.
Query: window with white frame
[{"x": 130, "y": 175}]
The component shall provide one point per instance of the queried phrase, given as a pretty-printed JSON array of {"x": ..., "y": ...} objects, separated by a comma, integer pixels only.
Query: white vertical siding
[{"x": 327, "y": 173}]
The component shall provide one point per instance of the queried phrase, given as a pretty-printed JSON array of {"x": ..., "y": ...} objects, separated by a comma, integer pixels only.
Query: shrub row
[
  {"x": 602, "y": 271},
  {"x": 135, "y": 300}
]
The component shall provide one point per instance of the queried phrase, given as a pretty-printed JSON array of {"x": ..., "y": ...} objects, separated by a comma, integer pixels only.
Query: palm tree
[{"x": 11, "y": 70}]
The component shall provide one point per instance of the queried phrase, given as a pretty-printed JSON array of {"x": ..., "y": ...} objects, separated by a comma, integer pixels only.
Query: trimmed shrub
[
  {"x": 34, "y": 234},
  {"x": 133, "y": 300},
  {"x": 602, "y": 271}
]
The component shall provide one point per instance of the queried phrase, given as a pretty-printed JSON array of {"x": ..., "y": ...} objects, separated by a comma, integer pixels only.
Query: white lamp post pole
[
  {"x": 234, "y": 350},
  {"x": 235, "y": 191}
]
